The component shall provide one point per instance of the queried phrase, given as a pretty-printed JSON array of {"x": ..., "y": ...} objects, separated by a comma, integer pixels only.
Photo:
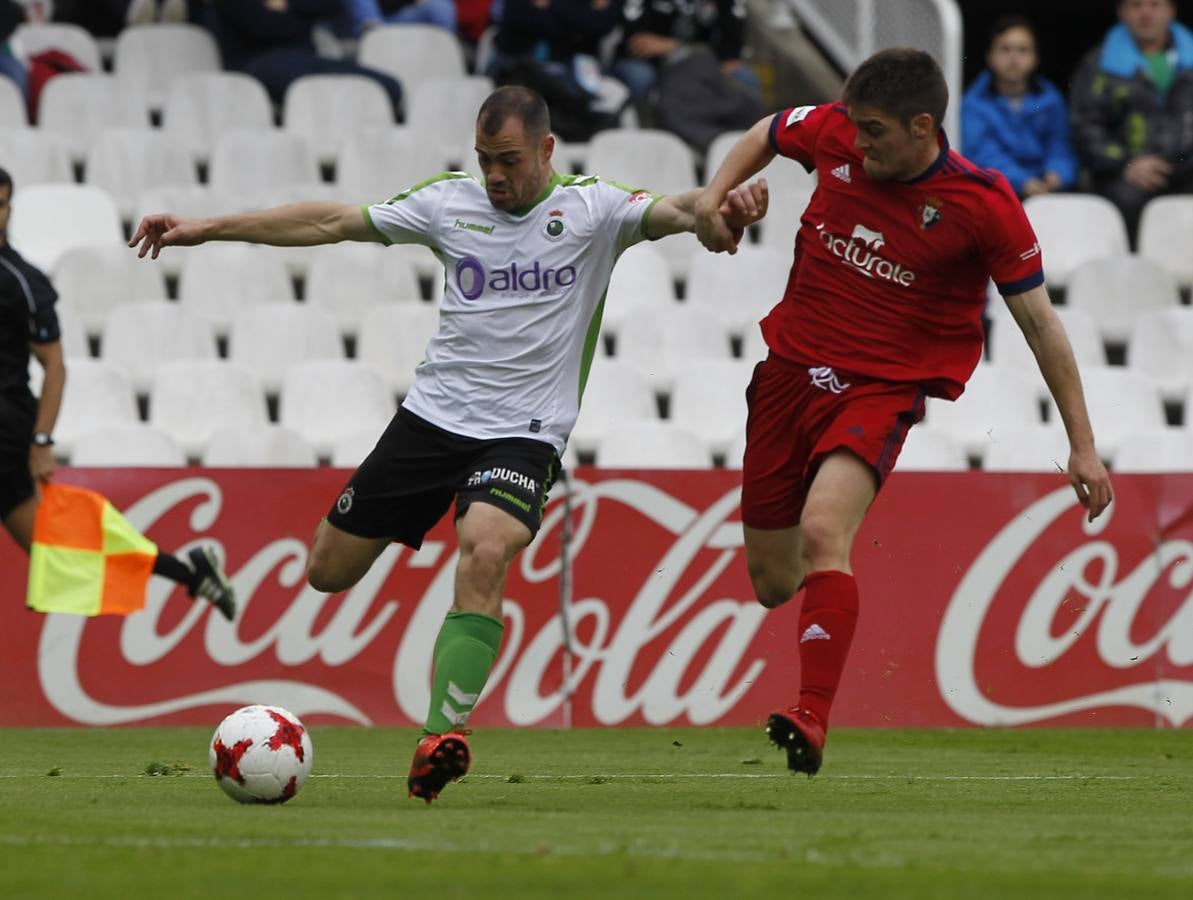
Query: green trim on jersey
[
  {"x": 646, "y": 217},
  {"x": 556, "y": 181},
  {"x": 590, "y": 343},
  {"x": 364, "y": 211},
  {"x": 434, "y": 179}
]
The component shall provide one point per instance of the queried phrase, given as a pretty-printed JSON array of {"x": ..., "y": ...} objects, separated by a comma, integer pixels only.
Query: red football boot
[
  {"x": 800, "y": 733},
  {"x": 438, "y": 759}
]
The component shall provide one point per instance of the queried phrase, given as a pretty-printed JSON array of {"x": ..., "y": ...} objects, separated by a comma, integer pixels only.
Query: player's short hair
[
  {"x": 527, "y": 106},
  {"x": 5, "y": 179},
  {"x": 1003, "y": 24},
  {"x": 901, "y": 82}
]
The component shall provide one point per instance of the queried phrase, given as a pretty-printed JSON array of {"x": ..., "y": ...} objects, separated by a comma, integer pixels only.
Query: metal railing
[{"x": 851, "y": 30}]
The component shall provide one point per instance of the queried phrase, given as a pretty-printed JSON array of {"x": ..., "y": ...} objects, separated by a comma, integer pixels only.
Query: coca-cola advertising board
[{"x": 987, "y": 599}]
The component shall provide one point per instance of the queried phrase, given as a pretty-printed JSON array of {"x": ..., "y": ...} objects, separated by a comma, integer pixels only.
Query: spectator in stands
[
  {"x": 553, "y": 47},
  {"x": 682, "y": 63},
  {"x": 103, "y": 18},
  {"x": 657, "y": 31},
  {"x": 1014, "y": 121},
  {"x": 1132, "y": 104},
  {"x": 12, "y": 14},
  {"x": 271, "y": 40},
  {"x": 361, "y": 15}
]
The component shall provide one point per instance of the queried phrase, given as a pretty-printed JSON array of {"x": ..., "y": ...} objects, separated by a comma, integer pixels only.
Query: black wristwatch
[{"x": 41, "y": 439}]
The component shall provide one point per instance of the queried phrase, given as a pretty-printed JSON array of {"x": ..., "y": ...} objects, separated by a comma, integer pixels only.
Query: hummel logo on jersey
[
  {"x": 842, "y": 172},
  {"x": 815, "y": 633},
  {"x": 472, "y": 226},
  {"x": 826, "y": 379}
]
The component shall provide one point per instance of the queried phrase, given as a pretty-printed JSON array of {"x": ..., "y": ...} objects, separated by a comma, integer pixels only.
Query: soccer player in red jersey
[{"x": 882, "y": 308}]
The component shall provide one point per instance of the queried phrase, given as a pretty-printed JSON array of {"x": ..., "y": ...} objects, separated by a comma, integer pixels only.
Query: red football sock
[{"x": 826, "y": 625}]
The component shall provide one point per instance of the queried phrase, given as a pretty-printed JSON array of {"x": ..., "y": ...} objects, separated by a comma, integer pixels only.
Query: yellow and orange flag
[{"x": 86, "y": 558}]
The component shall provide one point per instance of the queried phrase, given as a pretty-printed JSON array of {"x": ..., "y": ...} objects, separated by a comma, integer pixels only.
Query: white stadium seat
[
  {"x": 133, "y": 444},
  {"x": 96, "y": 395},
  {"x": 127, "y": 162},
  {"x": 79, "y": 106},
  {"x": 393, "y": 340},
  {"x": 412, "y": 53},
  {"x": 1160, "y": 450},
  {"x": 614, "y": 393},
  {"x": 50, "y": 219},
  {"x": 1121, "y": 402},
  {"x": 94, "y": 280},
  {"x": 641, "y": 278},
  {"x": 738, "y": 289},
  {"x": 646, "y": 158},
  {"x": 251, "y": 161},
  {"x": 709, "y": 399},
  {"x": 1162, "y": 346},
  {"x": 72, "y": 336},
  {"x": 1166, "y": 234},
  {"x": 156, "y": 56},
  {"x": 202, "y": 107},
  {"x": 658, "y": 340},
  {"x": 13, "y": 116},
  {"x": 1009, "y": 349},
  {"x": 1040, "y": 448},
  {"x": 32, "y": 38},
  {"x": 651, "y": 445},
  {"x": 996, "y": 399},
  {"x": 375, "y": 164},
  {"x": 439, "y": 110},
  {"x": 33, "y": 157},
  {"x": 1116, "y": 291},
  {"x": 1074, "y": 228},
  {"x": 350, "y": 449},
  {"x": 220, "y": 279},
  {"x": 190, "y": 400},
  {"x": 346, "y": 279},
  {"x": 325, "y": 399},
  {"x": 268, "y": 338},
  {"x": 927, "y": 449},
  {"x": 320, "y": 109},
  {"x": 261, "y": 446},
  {"x": 140, "y": 337}
]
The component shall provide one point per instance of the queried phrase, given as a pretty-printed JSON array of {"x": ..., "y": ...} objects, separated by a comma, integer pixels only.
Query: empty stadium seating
[{"x": 321, "y": 109}]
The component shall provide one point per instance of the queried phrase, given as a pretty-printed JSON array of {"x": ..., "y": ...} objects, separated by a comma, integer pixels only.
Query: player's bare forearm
[
  {"x": 1046, "y": 336},
  {"x": 295, "y": 225},
  {"x": 672, "y": 214},
  {"x": 748, "y": 156},
  {"x": 49, "y": 401}
]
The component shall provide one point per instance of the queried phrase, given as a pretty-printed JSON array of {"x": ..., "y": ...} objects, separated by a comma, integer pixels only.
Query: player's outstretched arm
[
  {"x": 748, "y": 156},
  {"x": 743, "y": 206},
  {"x": 295, "y": 225},
  {"x": 1046, "y": 336}
]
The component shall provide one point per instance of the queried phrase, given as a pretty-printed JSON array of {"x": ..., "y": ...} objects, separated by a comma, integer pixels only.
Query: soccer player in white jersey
[{"x": 527, "y": 255}]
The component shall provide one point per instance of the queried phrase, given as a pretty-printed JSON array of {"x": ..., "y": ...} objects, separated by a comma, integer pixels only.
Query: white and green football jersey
[{"x": 522, "y": 302}]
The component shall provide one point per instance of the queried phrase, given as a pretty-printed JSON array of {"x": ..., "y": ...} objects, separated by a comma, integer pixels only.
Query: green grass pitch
[{"x": 689, "y": 813}]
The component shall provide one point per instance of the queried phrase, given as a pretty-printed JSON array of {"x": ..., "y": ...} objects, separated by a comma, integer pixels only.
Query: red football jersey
[{"x": 889, "y": 278}]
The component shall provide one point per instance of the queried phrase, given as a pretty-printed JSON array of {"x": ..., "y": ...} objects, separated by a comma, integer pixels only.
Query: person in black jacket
[
  {"x": 1132, "y": 102},
  {"x": 271, "y": 40},
  {"x": 29, "y": 324},
  {"x": 657, "y": 31}
]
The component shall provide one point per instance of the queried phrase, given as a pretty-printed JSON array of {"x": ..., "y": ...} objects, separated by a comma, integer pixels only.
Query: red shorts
[{"x": 797, "y": 414}]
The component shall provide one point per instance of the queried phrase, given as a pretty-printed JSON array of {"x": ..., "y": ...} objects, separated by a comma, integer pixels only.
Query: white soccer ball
[{"x": 261, "y": 754}]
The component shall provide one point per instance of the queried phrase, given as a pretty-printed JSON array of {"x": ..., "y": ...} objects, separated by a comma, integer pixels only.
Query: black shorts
[
  {"x": 408, "y": 481},
  {"x": 16, "y": 430}
]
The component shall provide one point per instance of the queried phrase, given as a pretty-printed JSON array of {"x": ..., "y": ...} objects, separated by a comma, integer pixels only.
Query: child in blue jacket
[{"x": 1014, "y": 121}]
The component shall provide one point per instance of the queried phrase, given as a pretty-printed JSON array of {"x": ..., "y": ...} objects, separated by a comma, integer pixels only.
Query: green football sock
[{"x": 464, "y": 654}]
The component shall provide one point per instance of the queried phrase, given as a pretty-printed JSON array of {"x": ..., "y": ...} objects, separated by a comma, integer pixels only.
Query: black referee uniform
[{"x": 26, "y": 316}]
